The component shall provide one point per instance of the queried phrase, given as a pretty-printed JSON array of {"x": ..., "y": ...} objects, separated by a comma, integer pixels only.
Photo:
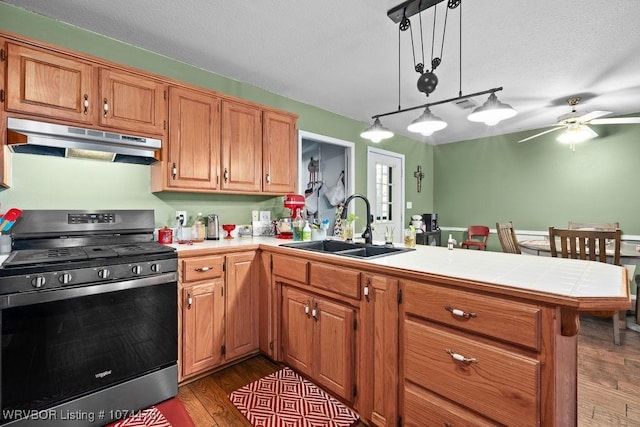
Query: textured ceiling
[{"x": 343, "y": 55}]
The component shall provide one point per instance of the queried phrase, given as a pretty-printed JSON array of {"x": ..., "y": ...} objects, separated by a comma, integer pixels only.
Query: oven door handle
[{"x": 57, "y": 294}]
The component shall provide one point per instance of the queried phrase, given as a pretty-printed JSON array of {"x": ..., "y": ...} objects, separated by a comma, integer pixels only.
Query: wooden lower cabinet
[
  {"x": 241, "y": 305},
  {"x": 219, "y": 310},
  {"x": 318, "y": 339},
  {"x": 202, "y": 326},
  {"x": 378, "y": 360}
]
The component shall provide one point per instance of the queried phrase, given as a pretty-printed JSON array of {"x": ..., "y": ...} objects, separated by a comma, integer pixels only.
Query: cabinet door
[
  {"x": 49, "y": 84},
  {"x": 5, "y": 163},
  {"x": 131, "y": 102},
  {"x": 241, "y": 147},
  {"x": 379, "y": 350},
  {"x": 202, "y": 326},
  {"x": 334, "y": 345},
  {"x": 279, "y": 153},
  {"x": 241, "y": 323},
  {"x": 297, "y": 329},
  {"x": 194, "y": 140}
]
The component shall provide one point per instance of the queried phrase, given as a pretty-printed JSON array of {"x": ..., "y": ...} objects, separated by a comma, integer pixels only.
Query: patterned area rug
[
  {"x": 170, "y": 413},
  {"x": 285, "y": 399}
]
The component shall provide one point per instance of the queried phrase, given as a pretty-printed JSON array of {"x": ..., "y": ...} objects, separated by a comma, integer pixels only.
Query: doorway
[
  {"x": 322, "y": 162},
  {"x": 385, "y": 191}
]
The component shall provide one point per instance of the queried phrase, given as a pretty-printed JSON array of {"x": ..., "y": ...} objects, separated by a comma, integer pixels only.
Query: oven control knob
[
  {"x": 38, "y": 281},
  {"x": 155, "y": 268},
  {"x": 104, "y": 273},
  {"x": 136, "y": 269},
  {"x": 64, "y": 278}
]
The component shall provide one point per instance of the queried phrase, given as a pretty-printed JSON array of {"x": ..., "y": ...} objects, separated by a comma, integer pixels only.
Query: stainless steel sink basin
[{"x": 356, "y": 250}]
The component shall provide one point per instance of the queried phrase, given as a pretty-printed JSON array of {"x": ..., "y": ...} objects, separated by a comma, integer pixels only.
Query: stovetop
[{"x": 27, "y": 257}]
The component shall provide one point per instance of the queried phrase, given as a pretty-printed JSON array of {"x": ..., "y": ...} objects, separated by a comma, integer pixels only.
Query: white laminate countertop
[{"x": 557, "y": 276}]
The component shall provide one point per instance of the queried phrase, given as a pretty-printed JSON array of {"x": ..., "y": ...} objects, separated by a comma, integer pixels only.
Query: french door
[{"x": 385, "y": 191}]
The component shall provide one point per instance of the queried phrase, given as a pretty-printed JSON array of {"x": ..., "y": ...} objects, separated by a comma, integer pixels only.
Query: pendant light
[
  {"x": 427, "y": 123},
  {"x": 492, "y": 112},
  {"x": 376, "y": 132}
]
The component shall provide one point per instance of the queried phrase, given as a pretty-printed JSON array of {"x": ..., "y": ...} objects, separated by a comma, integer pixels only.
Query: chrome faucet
[{"x": 367, "y": 236}]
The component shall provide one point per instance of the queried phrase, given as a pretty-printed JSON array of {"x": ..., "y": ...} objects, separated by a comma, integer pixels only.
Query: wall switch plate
[
  {"x": 409, "y": 205},
  {"x": 184, "y": 215}
]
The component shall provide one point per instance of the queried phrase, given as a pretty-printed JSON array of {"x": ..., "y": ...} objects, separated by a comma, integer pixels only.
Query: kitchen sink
[{"x": 355, "y": 250}]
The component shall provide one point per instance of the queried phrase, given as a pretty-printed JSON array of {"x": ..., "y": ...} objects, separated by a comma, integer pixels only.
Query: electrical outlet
[{"x": 184, "y": 215}]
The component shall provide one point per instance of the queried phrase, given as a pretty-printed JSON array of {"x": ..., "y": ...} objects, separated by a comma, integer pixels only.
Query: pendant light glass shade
[
  {"x": 427, "y": 123},
  {"x": 492, "y": 111},
  {"x": 576, "y": 133},
  {"x": 376, "y": 132}
]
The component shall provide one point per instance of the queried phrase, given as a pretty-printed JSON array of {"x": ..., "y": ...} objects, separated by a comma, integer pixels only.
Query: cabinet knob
[
  {"x": 460, "y": 313},
  {"x": 105, "y": 107},
  {"x": 306, "y": 309}
]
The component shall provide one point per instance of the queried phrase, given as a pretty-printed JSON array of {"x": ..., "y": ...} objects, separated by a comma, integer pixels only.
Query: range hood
[{"x": 33, "y": 137}]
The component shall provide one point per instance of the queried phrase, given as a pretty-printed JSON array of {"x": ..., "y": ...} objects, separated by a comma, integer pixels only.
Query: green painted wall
[
  {"x": 42, "y": 182},
  {"x": 540, "y": 183}
]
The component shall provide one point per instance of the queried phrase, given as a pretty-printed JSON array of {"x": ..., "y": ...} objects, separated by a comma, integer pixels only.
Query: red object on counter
[{"x": 165, "y": 235}]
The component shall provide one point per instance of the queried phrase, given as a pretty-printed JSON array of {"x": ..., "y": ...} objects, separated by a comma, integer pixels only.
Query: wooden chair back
[
  {"x": 507, "y": 238},
  {"x": 585, "y": 244}
]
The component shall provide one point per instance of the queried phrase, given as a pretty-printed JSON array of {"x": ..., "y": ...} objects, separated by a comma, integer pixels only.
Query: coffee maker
[{"x": 430, "y": 221}]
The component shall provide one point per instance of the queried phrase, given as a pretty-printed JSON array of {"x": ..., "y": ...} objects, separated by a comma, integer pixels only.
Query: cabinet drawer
[
  {"x": 499, "y": 384},
  {"x": 201, "y": 268},
  {"x": 423, "y": 408},
  {"x": 291, "y": 268},
  {"x": 507, "y": 320},
  {"x": 335, "y": 279}
]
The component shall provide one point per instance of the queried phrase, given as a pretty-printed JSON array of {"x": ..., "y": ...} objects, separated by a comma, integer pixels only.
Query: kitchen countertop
[{"x": 557, "y": 276}]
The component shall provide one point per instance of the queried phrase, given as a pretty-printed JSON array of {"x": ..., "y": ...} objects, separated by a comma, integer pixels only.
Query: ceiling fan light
[
  {"x": 376, "y": 132},
  {"x": 576, "y": 133},
  {"x": 427, "y": 123},
  {"x": 492, "y": 111}
]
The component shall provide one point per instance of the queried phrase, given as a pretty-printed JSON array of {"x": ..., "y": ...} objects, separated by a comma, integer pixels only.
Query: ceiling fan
[{"x": 575, "y": 124}]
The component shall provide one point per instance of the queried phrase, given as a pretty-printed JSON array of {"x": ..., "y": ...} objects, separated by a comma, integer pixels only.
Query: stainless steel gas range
[{"x": 88, "y": 315}]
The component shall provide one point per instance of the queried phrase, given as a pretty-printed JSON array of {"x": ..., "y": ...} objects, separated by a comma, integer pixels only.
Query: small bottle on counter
[
  {"x": 306, "y": 232},
  {"x": 198, "y": 229},
  {"x": 450, "y": 242}
]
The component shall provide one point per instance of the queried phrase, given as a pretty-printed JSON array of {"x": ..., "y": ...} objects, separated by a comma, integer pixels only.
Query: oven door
[{"x": 61, "y": 344}]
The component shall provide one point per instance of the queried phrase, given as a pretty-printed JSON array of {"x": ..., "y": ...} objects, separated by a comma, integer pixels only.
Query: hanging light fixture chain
[
  {"x": 460, "y": 41},
  {"x": 444, "y": 32},
  {"x": 433, "y": 33}
]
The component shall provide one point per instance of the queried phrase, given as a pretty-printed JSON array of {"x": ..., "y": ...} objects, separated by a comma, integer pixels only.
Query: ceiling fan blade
[
  {"x": 592, "y": 115},
  {"x": 541, "y": 133},
  {"x": 615, "y": 121}
]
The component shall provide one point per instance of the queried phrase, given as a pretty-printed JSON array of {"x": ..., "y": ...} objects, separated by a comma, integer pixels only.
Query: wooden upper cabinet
[
  {"x": 194, "y": 140},
  {"x": 279, "y": 153},
  {"x": 132, "y": 102},
  {"x": 241, "y": 147},
  {"x": 50, "y": 84}
]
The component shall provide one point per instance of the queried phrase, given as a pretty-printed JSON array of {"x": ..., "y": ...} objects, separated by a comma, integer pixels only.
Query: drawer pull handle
[
  {"x": 460, "y": 313},
  {"x": 366, "y": 289},
  {"x": 203, "y": 269},
  {"x": 460, "y": 358},
  {"x": 105, "y": 107}
]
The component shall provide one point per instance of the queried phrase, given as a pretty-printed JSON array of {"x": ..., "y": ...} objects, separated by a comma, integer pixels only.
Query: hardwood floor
[{"x": 608, "y": 382}]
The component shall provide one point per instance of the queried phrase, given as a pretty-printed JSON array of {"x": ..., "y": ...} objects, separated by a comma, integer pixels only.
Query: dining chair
[
  {"x": 477, "y": 236},
  {"x": 507, "y": 238},
  {"x": 589, "y": 245}
]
